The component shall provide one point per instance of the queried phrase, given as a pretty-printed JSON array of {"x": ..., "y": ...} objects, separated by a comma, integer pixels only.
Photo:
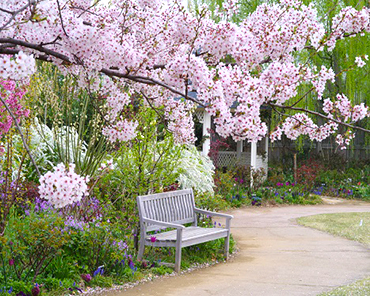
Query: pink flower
[
  {"x": 11, "y": 262},
  {"x": 63, "y": 186},
  {"x": 153, "y": 239}
]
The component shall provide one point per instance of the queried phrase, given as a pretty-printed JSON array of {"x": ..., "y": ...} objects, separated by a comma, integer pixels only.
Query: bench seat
[{"x": 191, "y": 235}]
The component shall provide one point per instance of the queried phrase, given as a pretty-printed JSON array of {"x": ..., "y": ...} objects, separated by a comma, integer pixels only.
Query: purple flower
[
  {"x": 86, "y": 277},
  {"x": 287, "y": 183},
  {"x": 35, "y": 290},
  {"x": 122, "y": 245},
  {"x": 153, "y": 239},
  {"x": 11, "y": 262},
  {"x": 131, "y": 264},
  {"x": 98, "y": 271}
]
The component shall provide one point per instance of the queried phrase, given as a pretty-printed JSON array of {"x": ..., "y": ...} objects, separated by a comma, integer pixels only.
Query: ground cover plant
[
  {"x": 317, "y": 177},
  {"x": 353, "y": 226}
]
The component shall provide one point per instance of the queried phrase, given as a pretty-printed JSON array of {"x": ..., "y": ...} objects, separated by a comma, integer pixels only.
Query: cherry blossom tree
[{"x": 159, "y": 50}]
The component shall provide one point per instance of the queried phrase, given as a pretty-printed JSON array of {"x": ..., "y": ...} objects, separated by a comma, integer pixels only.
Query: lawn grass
[
  {"x": 359, "y": 288},
  {"x": 346, "y": 225},
  {"x": 353, "y": 226}
]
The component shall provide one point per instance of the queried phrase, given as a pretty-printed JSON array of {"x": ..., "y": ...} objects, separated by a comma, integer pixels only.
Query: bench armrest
[
  {"x": 161, "y": 223},
  {"x": 205, "y": 212}
]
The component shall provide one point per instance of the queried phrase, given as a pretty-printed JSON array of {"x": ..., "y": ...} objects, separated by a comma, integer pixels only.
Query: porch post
[
  {"x": 253, "y": 160},
  {"x": 206, "y": 126},
  {"x": 267, "y": 147},
  {"x": 239, "y": 150}
]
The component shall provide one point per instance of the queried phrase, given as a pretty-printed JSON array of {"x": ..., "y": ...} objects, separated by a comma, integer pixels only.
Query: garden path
[{"x": 276, "y": 257}]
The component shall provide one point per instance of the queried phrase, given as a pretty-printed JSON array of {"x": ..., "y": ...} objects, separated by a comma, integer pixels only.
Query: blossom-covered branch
[{"x": 164, "y": 51}]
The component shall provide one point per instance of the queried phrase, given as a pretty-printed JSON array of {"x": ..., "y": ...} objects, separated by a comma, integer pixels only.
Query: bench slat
[{"x": 188, "y": 233}]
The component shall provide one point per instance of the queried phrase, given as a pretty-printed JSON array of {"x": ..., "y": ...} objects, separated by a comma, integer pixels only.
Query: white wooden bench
[{"x": 172, "y": 210}]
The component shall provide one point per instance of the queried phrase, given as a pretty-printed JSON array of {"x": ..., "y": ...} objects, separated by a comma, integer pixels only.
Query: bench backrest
[{"x": 173, "y": 206}]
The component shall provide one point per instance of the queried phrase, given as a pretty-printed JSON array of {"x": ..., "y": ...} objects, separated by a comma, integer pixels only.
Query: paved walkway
[{"x": 276, "y": 257}]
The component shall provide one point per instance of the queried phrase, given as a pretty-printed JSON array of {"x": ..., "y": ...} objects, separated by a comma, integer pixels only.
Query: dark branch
[
  {"x": 61, "y": 18},
  {"x": 320, "y": 115},
  {"x": 108, "y": 72},
  {"x": 14, "y": 13},
  {"x": 150, "y": 81},
  {"x": 39, "y": 48}
]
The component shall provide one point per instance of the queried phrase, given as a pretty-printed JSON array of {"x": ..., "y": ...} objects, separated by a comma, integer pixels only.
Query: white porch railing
[{"x": 229, "y": 159}]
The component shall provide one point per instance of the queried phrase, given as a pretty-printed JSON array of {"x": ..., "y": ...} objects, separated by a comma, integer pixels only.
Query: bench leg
[
  {"x": 178, "y": 259},
  {"x": 227, "y": 244},
  {"x": 178, "y": 250},
  {"x": 141, "y": 250},
  {"x": 227, "y": 239}
]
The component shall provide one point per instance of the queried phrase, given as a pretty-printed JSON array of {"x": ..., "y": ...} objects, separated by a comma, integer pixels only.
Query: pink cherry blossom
[
  {"x": 63, "y": 186},
  {"x": 159, "y": 50}
]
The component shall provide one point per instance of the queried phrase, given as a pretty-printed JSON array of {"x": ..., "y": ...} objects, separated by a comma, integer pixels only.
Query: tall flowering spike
[{"x": 63, "y": 186}]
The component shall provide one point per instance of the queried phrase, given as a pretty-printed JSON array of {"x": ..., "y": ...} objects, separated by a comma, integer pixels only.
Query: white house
[{"x": 254, "y": 154}]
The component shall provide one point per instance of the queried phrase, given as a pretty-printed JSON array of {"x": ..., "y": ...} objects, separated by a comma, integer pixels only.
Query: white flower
[
  {"x": 360, "y": 63},
  {"x": 63, "y": 186},
  {"x": 196, "y": 170}
]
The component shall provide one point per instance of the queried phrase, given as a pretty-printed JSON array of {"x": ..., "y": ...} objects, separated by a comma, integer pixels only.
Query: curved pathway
[{"x": 276, "y": 257}]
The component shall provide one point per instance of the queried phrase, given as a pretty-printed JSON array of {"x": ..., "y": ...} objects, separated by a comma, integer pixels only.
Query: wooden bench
[{"x": 172, "y": 210}]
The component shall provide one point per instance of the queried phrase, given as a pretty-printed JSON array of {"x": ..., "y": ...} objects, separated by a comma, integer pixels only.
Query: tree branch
[
  {"x": 320, "y": 115},
  {"x": 14, "y": 13},
  {"x": 61, "y": 18},
  {"x": 150, "y": 81},
  {"x": 39, "y": 48},
  {"x": 108, "y": 72}
]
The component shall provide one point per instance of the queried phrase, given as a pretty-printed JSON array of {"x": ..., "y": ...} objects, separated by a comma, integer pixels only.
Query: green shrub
[
  {"x": 209, "y": 201},
  {"x": 99, "y": 244},
  {"x": 33, "y": 242}
]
